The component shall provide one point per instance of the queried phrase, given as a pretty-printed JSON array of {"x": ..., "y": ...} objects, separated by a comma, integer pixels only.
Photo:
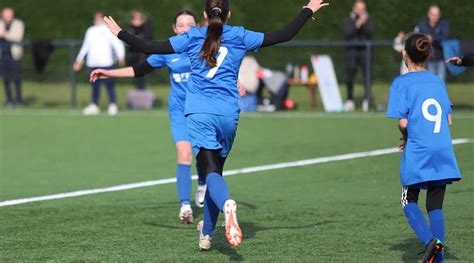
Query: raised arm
[
  {"x": 290, "y": 31},
  {"x": 147, "y": 47}
]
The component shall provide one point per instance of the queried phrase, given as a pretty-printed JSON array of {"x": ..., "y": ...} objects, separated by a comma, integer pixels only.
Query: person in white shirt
[{"x": 102, "y": 49}]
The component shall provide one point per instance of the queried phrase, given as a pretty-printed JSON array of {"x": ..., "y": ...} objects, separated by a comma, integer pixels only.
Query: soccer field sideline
[{"x": 276, "y": 166}]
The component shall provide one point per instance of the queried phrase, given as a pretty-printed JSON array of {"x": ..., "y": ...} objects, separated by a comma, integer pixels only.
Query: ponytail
[{"x": 217, "y": 12}]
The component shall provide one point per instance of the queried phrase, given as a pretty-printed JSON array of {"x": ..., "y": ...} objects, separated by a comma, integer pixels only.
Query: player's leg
[
  {"x": 184, "y": 160},
  {"x": 206, "y": 231},
  {"x": 416, "y": 219},
  {"x": 184, "y": 181},
  {"x": 201, "y": 186},
  {"x": 227, "y": 130},
  {"x": 434, "y": 207}
]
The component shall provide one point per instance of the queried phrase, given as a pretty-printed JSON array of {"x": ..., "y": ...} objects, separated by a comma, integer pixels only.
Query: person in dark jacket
[
  {"x": 466, "y": 61},
  {"x": 438, "y": 30},
  {"x": 12, "y": 31},
  {"x": 358, "y": 26},
  {"x": 139, "y": 26}
]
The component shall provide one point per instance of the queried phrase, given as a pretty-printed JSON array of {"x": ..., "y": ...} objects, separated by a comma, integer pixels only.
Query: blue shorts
[
  {"x": 212, "y": 132},
  {"x": 426, "y": 185},
  {"x": 178, "y": 125}
]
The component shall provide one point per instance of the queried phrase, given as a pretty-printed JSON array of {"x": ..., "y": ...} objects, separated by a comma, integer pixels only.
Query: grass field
[{"x": 337, "y": 211}]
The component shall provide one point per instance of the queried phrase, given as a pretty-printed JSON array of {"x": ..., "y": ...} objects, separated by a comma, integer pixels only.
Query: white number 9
[{"x": 433, "y": 118}]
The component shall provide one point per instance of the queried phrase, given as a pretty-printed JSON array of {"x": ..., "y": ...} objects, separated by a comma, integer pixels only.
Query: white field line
[{"x": 247, "y": 170}]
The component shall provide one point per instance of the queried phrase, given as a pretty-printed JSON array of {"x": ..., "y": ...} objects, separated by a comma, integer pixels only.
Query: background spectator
[
  {"x": 399, "y": 45},
  {"x": 101, "y": 48},
  {"x": 11, "y": 33},
  {"x": 358, "y": 26},
  {"x": 141, "y": 27},
  {"x": 438, "y": 30}
]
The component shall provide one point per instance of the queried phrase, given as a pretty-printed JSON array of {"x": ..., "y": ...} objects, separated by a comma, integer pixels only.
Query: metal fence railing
[{"x": 61, "y": 60}]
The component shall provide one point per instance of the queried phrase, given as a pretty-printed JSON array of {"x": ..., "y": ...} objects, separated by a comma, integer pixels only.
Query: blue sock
[
  {"x": 184, "y": 183},
  {"x": 217, "y": 190},
  {"x": 211, "y": 214},
  {"x": 418, "y": 223},
  {"x": 201, "y": 177},
  {"x": 437, "y": 228}
]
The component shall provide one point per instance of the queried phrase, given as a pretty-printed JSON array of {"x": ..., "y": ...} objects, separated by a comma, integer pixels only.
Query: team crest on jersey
[{"x": 182, "y": 77}]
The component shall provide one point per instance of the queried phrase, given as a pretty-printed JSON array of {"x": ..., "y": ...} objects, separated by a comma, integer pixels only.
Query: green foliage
[{"x": 69, "y": 19}]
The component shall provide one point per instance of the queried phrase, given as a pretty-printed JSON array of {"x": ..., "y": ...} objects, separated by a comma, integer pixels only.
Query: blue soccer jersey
[
  {"x": 214, "y": 91},
  {"x": 180, "y": 70},
  {"x": 422, "y": 99}
]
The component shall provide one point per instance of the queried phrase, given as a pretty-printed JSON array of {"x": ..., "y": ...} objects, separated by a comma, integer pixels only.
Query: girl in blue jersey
[
  {"x": 179, "y": 67},
  {"x": 211, "y": 107},
  {"x": 420, "y": 101}
]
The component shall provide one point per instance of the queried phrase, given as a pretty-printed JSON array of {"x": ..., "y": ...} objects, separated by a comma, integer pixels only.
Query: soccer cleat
[
  {"x": 186, "y": 214},
  {"x": 113, "y": 109},
  {"x": 204, "y": 240},
  {"x": 232, "y": 229},
  {"x": 200, "y": 194},
  {"x": 433, "y": 249},
  {"x": 92, "y": 109}
]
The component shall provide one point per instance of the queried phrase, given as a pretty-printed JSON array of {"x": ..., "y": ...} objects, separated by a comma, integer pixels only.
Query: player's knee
[
  {"x": 409, "y": 195},
  {"x": 209, "y": 161},
  {"x": 435, "y": 198},
  {"x": 185, "y": 157}
]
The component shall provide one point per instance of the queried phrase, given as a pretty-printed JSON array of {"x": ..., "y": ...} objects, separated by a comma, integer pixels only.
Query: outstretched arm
[
  {"x": 147, "y": 47},
  {"x": 139, "y": 70},
  {"x": 290, "y": 31}
]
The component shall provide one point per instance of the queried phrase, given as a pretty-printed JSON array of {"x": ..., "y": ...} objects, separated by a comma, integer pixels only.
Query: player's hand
[
  {"x": 112, "y": 25},
  {"x": 242, "y": 89},
  {"x": 455, "y": 61},
  {"x": 401, "y": 146},
  {"x": 99, "y": 74},
  {"x": 315, "y": 5}
]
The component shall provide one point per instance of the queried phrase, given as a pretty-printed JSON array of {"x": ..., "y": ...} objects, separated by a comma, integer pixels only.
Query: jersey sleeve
[
  {"x": 156, "y": 61},
  {"x": 397, "y": 102},
  {"x": 252, "y": 40},
  {"x": 180, "y": 43}
]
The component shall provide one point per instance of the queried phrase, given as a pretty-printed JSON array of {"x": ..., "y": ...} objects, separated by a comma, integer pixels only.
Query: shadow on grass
[
  {"x": 249, "y": 229},
  {"x": 413, "y": 251}
]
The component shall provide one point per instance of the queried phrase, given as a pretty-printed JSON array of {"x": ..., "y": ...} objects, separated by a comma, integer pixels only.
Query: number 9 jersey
[
  {"x": 422, "y": 99},
  {"x": 214, "y": 91}
]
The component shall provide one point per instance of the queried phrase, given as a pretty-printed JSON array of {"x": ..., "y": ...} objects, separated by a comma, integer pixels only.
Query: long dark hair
[
  {"x": 184, "y": 12},
  {"x": 418, "y": 48},
  {"x": 217, "y": 13}
]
